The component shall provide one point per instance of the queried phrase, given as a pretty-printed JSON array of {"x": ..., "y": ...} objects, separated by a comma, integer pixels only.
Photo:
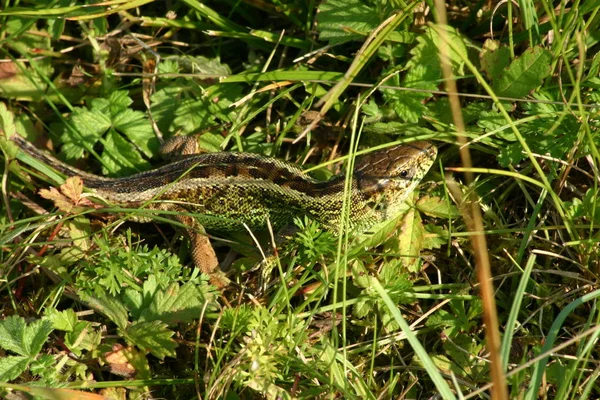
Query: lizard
[{"x": 229, "y": 191}]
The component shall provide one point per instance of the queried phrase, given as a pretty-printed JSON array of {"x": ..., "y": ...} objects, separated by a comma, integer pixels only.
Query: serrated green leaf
[
  {"x": 511, "y": 154},
  {"x": 409, "y": 107},
  {"x": 83, "y": 337},
  {"x": 151, "y": 336},
  {"x": 121, "y": 157},
  {"x": 203, "y": 65},
  {"x": 164, "y": 104},
  {"x": 23, "y": 339},
  {"x": 495, "y": 121},
  {"x": 525, "y": 73},
  {"x": 426, "y": 55},
  {"x": 136, "y": 127},
  {"x": 90, "y": 124},
  {"x": 180, "y": 304},
  {"x": 377, "y": 234},
  {"x": 339, "y": 21},
  {"x": 11, "y": 334},
  {"x": 175, "y": 304},
  {"x": 494, "y": 58},
  {"x": 7, "y": 121},
  {"x": 411, "y": 240},
  {"x": 220, "y": 98},
  {"x": 42, "y": 366},
  {"x": 372, "y": 112},
  {"x": 211, "y": 142},
  {"x": 11, "y": 367},
  {"x": 62, "y": 320},
  {"x": 35, "y": 335},
  {"x": 192, "y": 115},
  {"x": 435, "y": 237},
  {"x": 109, "y": 306},
  {"x": 437, "y": 207},
  {"x": 119, "y": 100}
]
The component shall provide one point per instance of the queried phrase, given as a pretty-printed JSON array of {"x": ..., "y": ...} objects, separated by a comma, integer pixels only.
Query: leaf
[
  {"x": 192, "y": 115},
  {"x": 165, "y": 103},
  {"x": 172, "y": 305},
  {"x": 495, "y": 121},
  {"x": 7, "y": 122},
  {"x": 62, "y": 320},
  {"x": 90, "y": 124},
  {"x": 42, "y": 366},
  {"x": 82, "y": 337},
  {"x": 136, "y": 127},
  {"x": 118, "y": 360},
  {"x": 68, "y": 199},
  {"x": 435, "y": 237},
  {"x": 437, "y": 207},
  {"x": 340, "y": 21},
  {"x": 177, "y": 304},
  {"x": 11, "y": 367},
  {"x": 525, "y": 73},
  {"x": 203, "y": 65},
  {"x": 426, "y": 55},
  {"x": 151, "y": 336},
  {"x": 494, "y": 58},
  {"x": 377, "y": 234},
  {"x": 409, "y": 107},
  {"x": 511, "y": 154},
  {"x": 109, "y": 306},
  {"x": 411, "y": 240},
  {"x": 119, "y": 100},
  {"x": 23, "y": 339},
  {"x": 121, "y": 157}
]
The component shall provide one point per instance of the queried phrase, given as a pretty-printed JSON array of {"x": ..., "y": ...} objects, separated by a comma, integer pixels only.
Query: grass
[{"x": 486, "y": 287}]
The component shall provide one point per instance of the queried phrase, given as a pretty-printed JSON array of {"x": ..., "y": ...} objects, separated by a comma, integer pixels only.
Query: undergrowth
[{"x": 95, "y": 302}]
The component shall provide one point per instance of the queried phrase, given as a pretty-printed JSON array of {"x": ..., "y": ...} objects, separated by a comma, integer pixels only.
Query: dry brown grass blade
[{"x": 473, "y": 219}]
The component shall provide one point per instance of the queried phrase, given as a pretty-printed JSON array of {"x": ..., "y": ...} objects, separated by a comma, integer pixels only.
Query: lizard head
[{"x": 388, "y": 176}]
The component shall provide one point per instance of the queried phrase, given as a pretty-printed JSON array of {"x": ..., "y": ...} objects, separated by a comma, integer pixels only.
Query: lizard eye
[{"x": 404, "y": 173}]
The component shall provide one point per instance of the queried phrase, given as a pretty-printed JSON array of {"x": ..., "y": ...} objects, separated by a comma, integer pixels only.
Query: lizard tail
[{"x": 31, "y": 150}]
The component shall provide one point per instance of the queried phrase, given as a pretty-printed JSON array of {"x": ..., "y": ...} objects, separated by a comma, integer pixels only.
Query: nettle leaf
[
  {"x": 511, "y": 154},
  {"x": 409, "y": 107},
  {"x": 192, "y": 115},
  {"x": 372, "y": 112},
  {"x": 411, "y": 240},
  {"x": 493, "y": 120},
  {"x": 494, "y": 58},
  {"x": 340, "y": 21},
  {"x": 165, "y": 103},
  {"x": 109, "y": 306},
  {"x": 119, "y": 101},
  {"x": 171, "y": 305},
  {"x": 435, "y": 237},
  {"x": 135, "y": 126},
  {"x": 377, "y": 234},
  {"x": 23, "y": 339},
  {"x": 437, "y": 207},
  {"x": 202, "y": 65},
  {"x": 42, "y": 366},
  {"x": 62, "y": 320},
  {"x": 151, "y": 336},
  {"x": 91, "y": 125},
  {"x": 121, "y": 157},
  {"x": 525, "y": 73},
  {"x": 11, "y": 367},
  {"x": 220, "y": 98},
  {"x": 178, "y": 304},
  {"x": 426, "y": 53}
]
